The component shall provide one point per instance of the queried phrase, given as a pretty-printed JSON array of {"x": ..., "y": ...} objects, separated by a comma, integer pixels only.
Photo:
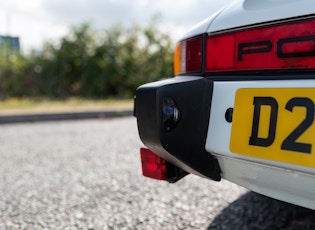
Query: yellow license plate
[{"x": 275, "y": 124}]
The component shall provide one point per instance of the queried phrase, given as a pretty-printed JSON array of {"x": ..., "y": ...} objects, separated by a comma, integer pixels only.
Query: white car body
[{"x": 287, "y": 182}]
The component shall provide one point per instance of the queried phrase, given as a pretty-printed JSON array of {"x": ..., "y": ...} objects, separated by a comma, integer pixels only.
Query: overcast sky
[{"x": 35, "y": 21}]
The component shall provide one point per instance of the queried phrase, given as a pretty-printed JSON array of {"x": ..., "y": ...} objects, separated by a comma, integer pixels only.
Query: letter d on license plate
[{"x": 275, "y": 124}]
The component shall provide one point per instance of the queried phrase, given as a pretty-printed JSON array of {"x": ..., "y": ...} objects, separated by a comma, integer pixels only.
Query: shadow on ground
[{"x": 254, "y": 211}]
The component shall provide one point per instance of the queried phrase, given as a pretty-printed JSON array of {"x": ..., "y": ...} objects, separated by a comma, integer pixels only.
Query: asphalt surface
[{"x": 86, "y": 174}]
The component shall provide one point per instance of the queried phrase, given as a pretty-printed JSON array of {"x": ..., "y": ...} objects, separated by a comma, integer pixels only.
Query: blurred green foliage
[{"x": 88, "y": 63}]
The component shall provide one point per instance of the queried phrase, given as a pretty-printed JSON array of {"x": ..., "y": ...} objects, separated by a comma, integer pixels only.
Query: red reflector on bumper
[{"x": 152, "y": 165}]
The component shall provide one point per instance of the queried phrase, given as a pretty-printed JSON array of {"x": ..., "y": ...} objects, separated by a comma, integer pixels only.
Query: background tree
[{"x": 90, "y": 63}]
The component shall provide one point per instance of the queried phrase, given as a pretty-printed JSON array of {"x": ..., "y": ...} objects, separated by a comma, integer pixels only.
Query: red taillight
[
  {"x": 188, "y": 56},
  {"x": 220, "y": 53},
  {"x": 286, "y": 46},
  {"x": 152, "y": 165},
  {"x": 193, "y": 55}
]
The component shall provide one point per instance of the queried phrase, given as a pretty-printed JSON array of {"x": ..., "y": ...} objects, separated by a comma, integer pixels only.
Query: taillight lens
[
  {"x": 188, "y": 56},
  {"x": 284, "y": 46}
]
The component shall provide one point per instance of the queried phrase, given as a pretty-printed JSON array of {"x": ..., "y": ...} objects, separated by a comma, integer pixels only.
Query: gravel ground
[{"x": 87, "y": 175}]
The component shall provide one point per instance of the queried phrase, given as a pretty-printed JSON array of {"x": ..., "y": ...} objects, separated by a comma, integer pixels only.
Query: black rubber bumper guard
[{"x": 173, "y": 117}]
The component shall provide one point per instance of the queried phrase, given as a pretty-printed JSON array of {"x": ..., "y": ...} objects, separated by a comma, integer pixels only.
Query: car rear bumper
[
  {"x": 278, "y": 178},
  {"x": 199, "y": 141},
  {"x": 173, "y": 118}
]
